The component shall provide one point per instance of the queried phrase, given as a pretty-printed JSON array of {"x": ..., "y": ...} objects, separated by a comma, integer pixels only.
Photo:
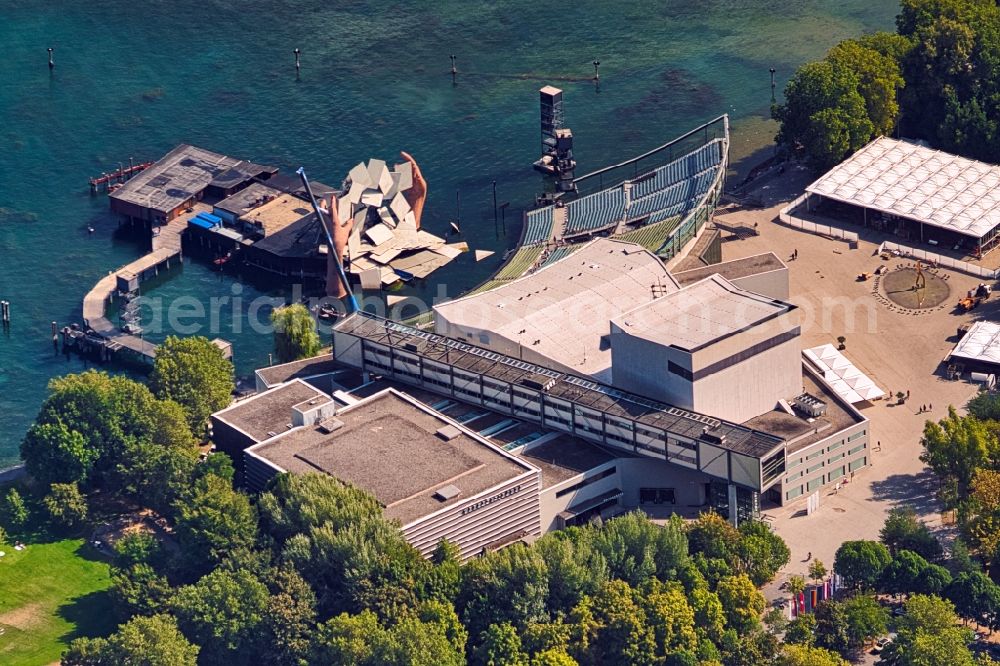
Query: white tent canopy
[
  {"x": 909, "y": 180},
  {"x": 981, "y": 343},
  {"x": 850, "y": 383}
]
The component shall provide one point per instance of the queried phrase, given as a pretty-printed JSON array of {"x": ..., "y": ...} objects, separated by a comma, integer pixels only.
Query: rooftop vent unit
[
  {"x": 330, "y": 425},
  {"x": 409, "y": 346},
  {"x": 713, "y": 438},
  {"x": 538, "y": 381},
  {"x": 809, "y": 405},
  {"x": 448, "y": 433},
  {"x": 271, "y": 433},
  {"x": 447, "y": 493}
]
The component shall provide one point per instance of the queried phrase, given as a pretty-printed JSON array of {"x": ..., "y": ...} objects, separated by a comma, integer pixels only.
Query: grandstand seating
[
  {"x": 684, "y": 194},
  {"x": 538, "y": 226},
  {"x": 595, "y": 211},
  {"x": 654, "y": 235},
  {"x": 707, "y": 157},
  {"x": 519, "y": 264},
  {"x": 560, "y": 253}
]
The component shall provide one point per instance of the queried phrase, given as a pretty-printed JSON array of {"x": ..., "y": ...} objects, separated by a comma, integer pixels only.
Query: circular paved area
[{"x": 898, "y": 286}]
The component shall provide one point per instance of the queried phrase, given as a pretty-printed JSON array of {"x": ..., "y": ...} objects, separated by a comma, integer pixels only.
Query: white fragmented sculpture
[{"x": 385, "y": 235}]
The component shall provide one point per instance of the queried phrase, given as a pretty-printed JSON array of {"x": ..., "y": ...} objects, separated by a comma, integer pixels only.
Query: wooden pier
[
  {"x": 119, "y": 175},
  {"x": 166, "y": 249}
]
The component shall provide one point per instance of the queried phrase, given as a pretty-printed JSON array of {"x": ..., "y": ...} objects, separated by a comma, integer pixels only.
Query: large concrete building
[
  {"x": 437, "y": 478},
  {"x": 699, "y": 399},
  {"x": 710, "y": 347}
]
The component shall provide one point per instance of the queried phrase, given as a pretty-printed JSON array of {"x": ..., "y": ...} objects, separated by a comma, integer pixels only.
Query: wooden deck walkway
[{"x": 166, "y": 243}]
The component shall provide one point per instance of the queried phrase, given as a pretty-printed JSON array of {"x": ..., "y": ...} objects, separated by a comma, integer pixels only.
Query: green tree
[
  {"x": 214, "y": 521},
  {"x": 817, "y": 570},
  {"x": 636, "y": 549},
  {"x": 139, "y": 547},
  {"x": 295, "y": 334},
  {"x": 296, "y": 503},
  {"x": 879, "y": 78},
  {"x": 935, "y": 581},
  {"x": 928, "y": 635},
  {"x": 860, "y": 563},
  {"x": 144, "y": 641},
  {"x": 88, "y": 423},
  {"x": 760, "y": 553},
  {"x": 224, "y": 613},
  {"x": 510, "y": 585},
  {"x": 742, "y": 603},
  {"x": 157, "y": 476},
  {"x": 576, "y": 569},
  {"x": 367, "y": 565},
  {"x": 832, "y": 631},
  {"x": 904, "y": 531},
  {"x": 289, "y": 618},
  {"x": 801, "y": 630},
  {"x": 66, "y": 505},
  {"x": 713, "y": 536},
  {"x": 53, "y": 453},
  {"x": 801, "y": 655},
  {"x": 671, "y": 617},
  {"x": 139, "y": 590},
  {"x": 985, "y": 406},
  {"x": 866, "y": 618},
  {"x": 709, "y": 616},
  {"x": 499, "y": 645},
  {"x": 975, "y": 597},
  {"x": 553, "y": 658},
  {"x": 824, "y": 116},
  {"x": 194, "y": 373},
  {"x": 412, "y": 642},
  {"x": 955, "y": 449},
  {"x": 15, "y": 509},
  {"x": 347, "y": 640},
  {"x": 980, "y": 514},
  {"x": 615, "y": 629},
  {"x": 360, "y": 640},
  {"x": 903, "y": 573}
]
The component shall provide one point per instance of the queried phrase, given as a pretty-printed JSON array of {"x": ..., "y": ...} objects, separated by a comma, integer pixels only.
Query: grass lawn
[{"x": 50, "y": 593}]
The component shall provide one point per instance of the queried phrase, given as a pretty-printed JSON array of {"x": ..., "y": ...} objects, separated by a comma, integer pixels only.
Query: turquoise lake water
[{"x": 134, "y": 79}]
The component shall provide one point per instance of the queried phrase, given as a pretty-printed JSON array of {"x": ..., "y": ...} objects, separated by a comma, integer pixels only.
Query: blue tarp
[
  {"x": 200, "y": 222},
  {"x": 208, "y": 218}
]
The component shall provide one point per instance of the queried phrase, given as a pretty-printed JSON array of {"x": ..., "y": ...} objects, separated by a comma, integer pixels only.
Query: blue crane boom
[{"x": 352, "y": 303}]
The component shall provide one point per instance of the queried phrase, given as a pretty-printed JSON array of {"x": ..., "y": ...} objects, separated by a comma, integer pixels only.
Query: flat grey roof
[
  {"x": 270, "y": 411},
  {"x": 250, "y": 197},
  {"x": 732, "y": 270},
  {"x": 797, "y": 431},
  {"x": 565, "y": 457},
  {"x": 307, "y": 367},
  {"x": 183, "y": 173},
  {"x": 700, "y": 314},
  {"x": 562, "y": 310},
  {"x": 388, "y": 446},
  {"x": 576, "y": 389}
]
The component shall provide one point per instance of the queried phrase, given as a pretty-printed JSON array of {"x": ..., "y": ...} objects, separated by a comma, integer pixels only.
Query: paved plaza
[{"x": 901, "y": 350}]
